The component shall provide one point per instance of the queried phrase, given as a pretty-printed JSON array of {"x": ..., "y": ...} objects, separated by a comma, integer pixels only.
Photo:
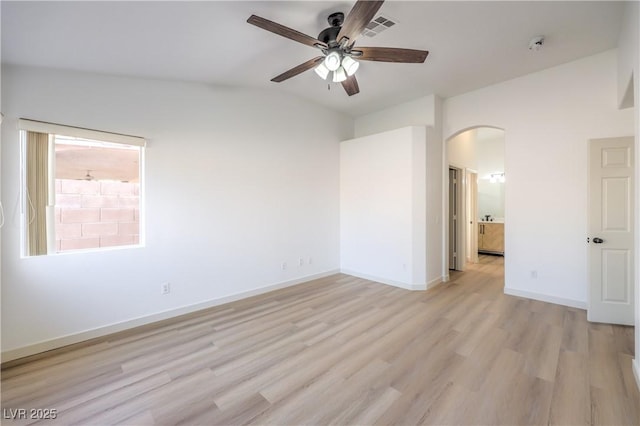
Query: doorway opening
[
  {"x": 455, "y": 201},
  {"x": 476, "y": 197}
]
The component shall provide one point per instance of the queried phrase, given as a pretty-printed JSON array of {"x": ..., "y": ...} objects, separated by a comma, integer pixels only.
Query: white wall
[
  {"x": 628, "y": 47},
  {"x": 423, "y": 112},
  {"x": 419, "y": 112},
  {"x": 629, "y": 67},
  {"x": 634, "y": 12},
  {"x": 548, "y": 118},
  {"x": 436, "y": 269},
  {"x": 461, "y": 150},
  {"x": 383, "y": 207},
  {"x": 237, "y": 182},
  {"x": 2, "y": 210}
]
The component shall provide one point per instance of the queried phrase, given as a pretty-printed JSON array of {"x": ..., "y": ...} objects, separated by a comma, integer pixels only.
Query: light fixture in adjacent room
[
  {"x": 350, "y": 65},
  {"x": 496, "y": 177}
]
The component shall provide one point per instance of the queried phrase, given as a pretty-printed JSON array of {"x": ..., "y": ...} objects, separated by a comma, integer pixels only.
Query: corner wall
[
  {"x": 629, "y": 67},
  {"x": 423, "y": 112},
  {"x": 234, "y": 187},
  {"x": 383, "y": 206}
]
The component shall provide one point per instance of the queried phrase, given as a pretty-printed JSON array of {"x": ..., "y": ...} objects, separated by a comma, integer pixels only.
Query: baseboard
[
  {"x": 636, "y": 370},
  {"x": 546, "y": 298},
  {"x": 394, "y": 283},
  {"x": 382, "y": 280},
  {"x": 70, "y": 339},
  {"x": 436, "y": 282}
]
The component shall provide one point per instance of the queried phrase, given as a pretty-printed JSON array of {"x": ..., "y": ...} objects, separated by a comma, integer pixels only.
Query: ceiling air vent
[{"x": 378, "y": 25}]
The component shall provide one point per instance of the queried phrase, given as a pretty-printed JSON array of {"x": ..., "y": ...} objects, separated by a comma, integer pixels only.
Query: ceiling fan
[
  {"x": 89, "y": 176},
  {"x": 337, "y": 46}
]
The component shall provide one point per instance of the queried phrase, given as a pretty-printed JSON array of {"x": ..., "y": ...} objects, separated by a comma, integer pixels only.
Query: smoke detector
[{"x": 536, "y": 43}]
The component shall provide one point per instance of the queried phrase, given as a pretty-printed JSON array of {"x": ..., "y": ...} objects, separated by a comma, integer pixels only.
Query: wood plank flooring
[{"x": 343, "y": 350}]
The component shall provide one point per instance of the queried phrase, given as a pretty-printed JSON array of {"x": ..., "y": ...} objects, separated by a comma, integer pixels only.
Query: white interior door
[{"x": 611, "y": 210}]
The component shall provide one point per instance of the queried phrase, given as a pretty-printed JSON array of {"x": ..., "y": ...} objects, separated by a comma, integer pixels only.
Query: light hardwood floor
[{"x": 344, "y": 350}]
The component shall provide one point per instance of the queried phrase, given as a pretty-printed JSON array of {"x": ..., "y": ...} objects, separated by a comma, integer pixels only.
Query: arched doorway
[{"x": 475, "y": 192}]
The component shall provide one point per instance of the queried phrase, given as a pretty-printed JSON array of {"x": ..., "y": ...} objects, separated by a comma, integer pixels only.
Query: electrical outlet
[
  {"x": 534, "y": 274},
  {"x": 284, "y": 266},
  {"x": 310, "y": 261},
  {"x": 165, "y": 288},
  {"x": 300, "y": 262}
]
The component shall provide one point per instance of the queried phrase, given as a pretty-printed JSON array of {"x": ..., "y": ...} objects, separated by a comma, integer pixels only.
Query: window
[{"x": 82, "y": 189}]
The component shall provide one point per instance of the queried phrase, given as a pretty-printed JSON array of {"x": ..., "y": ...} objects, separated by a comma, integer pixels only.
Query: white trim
[
  {"x": 79, "y": 132},
  {"x": 70, "y": 339},
  {"x": 386, "y": 281},
  {"x": 546, "y": 298},
  {"x": 435, "y": 282},
  {"x": 394, "y": 283},
  {"x": 635, "y": 363}
]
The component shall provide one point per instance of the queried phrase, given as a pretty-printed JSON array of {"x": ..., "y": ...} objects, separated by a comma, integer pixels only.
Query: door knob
[{"x": 598, "y": 240}]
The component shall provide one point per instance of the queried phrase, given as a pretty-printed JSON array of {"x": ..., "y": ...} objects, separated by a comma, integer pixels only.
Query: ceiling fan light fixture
[
  {"x": 332, "y": 61},
  {"x": 336, "y": 44},
  {"x": 322, "y": 71},
  {"x": 350, "y": 65},
  {"x": 339, "y": 75}
]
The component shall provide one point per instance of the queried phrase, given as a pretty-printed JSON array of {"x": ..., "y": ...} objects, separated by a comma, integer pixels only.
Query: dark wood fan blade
[
  {"x": 358, "y": 18},
  {"x": 390, "y": 54},
  {"x": 351, "y": 85},
  {"x": 297, "y": 70},
  {"x": 283, "y": 31}
]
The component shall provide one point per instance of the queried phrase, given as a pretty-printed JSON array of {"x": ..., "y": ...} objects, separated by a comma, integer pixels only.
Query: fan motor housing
[
  {"x": 336, "y": 19},
  {"x": 329, "y": 35}
]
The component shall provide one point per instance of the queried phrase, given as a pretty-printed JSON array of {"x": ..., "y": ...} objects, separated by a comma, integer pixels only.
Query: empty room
[{"x": 320, "y": 212}]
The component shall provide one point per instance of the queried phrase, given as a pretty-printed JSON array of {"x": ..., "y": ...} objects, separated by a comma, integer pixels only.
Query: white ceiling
[{"x": 471, "y": 44}]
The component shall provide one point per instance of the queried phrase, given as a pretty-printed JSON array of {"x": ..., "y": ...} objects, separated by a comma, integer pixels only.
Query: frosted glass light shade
[
  {"x": 350, "y": 65},
  {"x": 339, "y": 75},
  {"x": 332, "y": 61},
  {"x": 322, "y": 71}
]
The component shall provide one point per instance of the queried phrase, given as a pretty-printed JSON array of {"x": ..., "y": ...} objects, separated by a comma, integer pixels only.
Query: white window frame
[{"x": 52, "y": 129}]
